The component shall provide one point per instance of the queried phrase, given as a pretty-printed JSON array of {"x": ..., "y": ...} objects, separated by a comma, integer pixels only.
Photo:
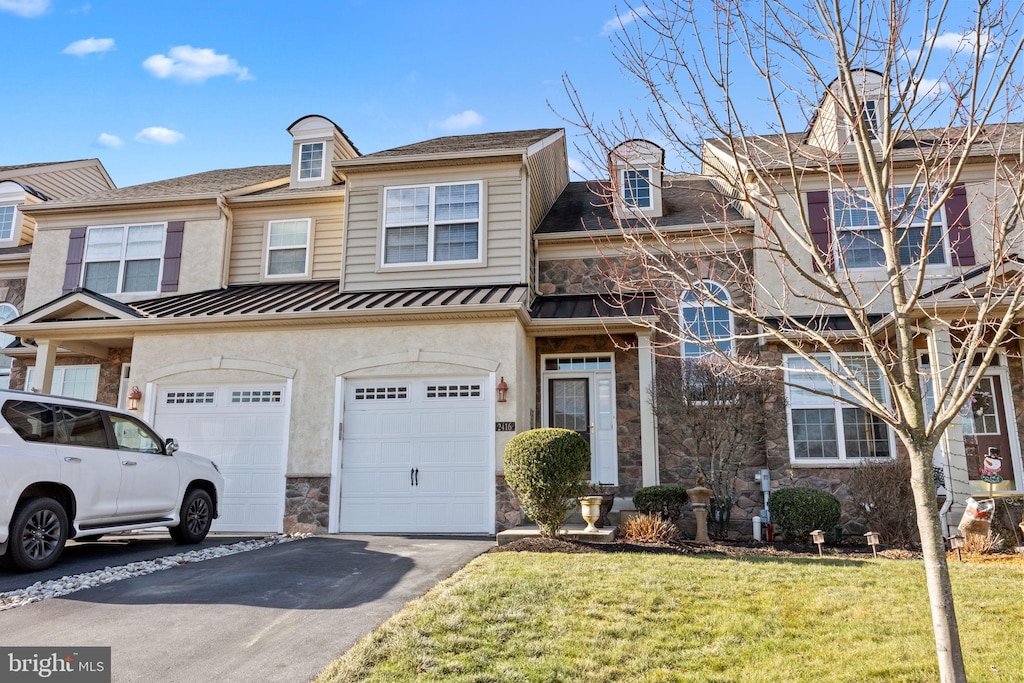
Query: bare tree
[
  {"x": 921, "y": 98},
  {"x": 718, "y": 418}
]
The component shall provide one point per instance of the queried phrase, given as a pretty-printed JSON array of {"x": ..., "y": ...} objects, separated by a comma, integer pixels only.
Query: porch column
[
  {"x": 46, "y": 358},
  {"x": 941, "y": 360},
  {"x": 648, "y": 419}
]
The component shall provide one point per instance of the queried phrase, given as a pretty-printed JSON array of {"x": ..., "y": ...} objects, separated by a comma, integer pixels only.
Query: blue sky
[{"x": 161, "y": 89}]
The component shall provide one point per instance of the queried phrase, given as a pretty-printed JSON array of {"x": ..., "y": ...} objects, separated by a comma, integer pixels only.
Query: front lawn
[{"x": 652, "y": 617}]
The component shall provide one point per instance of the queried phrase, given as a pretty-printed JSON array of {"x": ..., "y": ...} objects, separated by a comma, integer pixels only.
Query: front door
[
  {"x": 987, "y": 432},
  {"x": 579, "y": 395}
]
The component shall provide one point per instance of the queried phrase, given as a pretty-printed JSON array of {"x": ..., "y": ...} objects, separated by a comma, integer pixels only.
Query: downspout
[{"x": 229, "y": 219}]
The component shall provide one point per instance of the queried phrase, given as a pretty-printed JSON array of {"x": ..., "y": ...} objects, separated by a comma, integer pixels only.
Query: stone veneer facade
[
  {"x": 307, "y": 503},
  {"x": 508, "y": 511},
  {"x": 109, "y": 387}
]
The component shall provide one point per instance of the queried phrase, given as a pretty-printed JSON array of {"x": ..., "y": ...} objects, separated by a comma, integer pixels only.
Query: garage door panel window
[
  {"x": 256, "y": 396},
  {"x": 190, "y": 397},
  {"x": 384, "y": 393},
  {"x": 453, "y": 391}
]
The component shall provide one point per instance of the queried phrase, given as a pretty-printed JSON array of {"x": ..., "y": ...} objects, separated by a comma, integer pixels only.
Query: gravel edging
[{"x": 55, "y": 588}]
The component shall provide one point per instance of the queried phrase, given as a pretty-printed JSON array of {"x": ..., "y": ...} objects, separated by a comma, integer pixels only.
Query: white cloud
[
  {"x": 88, "y": 46},
  {"x": 159, "y": 135},
  {"x": 463, "y": 121},
  {"x": 25, "y": 8},
  {"x": 108, "y": 140},
  {"x": 579, "y": 167},
  {"x": 956, "y": 42},
  {"x": 621, "y": 21},
  {"x": 194, "y": 65},
  {"x": 932, "y": 87}
]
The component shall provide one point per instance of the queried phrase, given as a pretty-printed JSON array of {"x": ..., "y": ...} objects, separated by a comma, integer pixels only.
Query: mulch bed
[{"x": 538, "y": 544}]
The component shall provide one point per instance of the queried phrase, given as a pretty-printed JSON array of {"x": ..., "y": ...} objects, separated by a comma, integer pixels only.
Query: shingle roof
[
  {"x": 574, "y": 306},
  {"x": 482, "y": 142},
  {"x": 687, "y": 200},
  {"x": 198, "y": 184},
  {"x": 18, "y": 167},
  {"x": 771, "y": 151}
]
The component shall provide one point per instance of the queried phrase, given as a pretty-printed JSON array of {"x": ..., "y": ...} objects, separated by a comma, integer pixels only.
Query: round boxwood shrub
[
  {"x": 548, "y": 469},
  {"x": 665, "y": 500},
  {"x": 797, "y": 511}
]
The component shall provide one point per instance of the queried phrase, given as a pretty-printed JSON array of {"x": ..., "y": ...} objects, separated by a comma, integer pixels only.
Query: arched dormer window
[{"x": 704, "y": 322}]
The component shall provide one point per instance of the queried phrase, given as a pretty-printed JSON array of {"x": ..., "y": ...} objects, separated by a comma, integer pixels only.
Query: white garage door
[
  {"x": 416, "y": 457},
  {"x": 242, "y": 429}
]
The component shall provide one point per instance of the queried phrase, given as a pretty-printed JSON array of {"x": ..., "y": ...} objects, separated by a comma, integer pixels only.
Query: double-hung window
[
  {"x": 859, "y": 231},
  {"x": 8, "y": 214},
  {"x": 73, "y": 381},
  {"x": 705, "y": 324},
  {"x": 826, "y": 429},
  {"x": 432, "y": 223},
  {"x": 288, "y": 247},
  {"x": 636, "y": 188},
  {"x": 123, "y": 258},
  {"x": 311, "y": 161}
]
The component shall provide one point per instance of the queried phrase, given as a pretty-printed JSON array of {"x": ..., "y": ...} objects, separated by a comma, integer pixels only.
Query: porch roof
[{"x": 607, "y": 305}]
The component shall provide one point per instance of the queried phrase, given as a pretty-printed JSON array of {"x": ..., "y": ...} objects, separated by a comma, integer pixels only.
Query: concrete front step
[{"x": 573, "y": 532}]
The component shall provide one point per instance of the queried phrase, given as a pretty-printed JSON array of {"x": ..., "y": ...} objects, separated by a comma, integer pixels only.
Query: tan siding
[
  {"x": 69, "y": 182},
  {"x": 549, "y": 174},
  {"x": 246, "y": 261},
  {"x": 503, "y": 225}
]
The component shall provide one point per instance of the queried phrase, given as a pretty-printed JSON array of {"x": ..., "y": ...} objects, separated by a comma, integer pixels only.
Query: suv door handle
[
  {"x": 128, "y": 462},
  {"x": 68, "y": 458}
]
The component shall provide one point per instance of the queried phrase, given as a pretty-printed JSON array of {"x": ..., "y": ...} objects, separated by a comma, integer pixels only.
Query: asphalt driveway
[{"x": 280, "y": 613}]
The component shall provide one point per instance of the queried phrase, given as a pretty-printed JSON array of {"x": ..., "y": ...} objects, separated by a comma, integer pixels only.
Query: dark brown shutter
[
  {"x": 172, "y": 256},
  {"x": 819, "y": 217},
  {"x": 958, "y": 219},
  {"x": 73, "y": 266}
]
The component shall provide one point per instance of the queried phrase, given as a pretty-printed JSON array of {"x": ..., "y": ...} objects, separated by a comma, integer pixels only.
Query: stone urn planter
[
  {"x": 700, "y": 497},
  {"x": 607, "y": 493},
  {"x": 590, "y": 508}
]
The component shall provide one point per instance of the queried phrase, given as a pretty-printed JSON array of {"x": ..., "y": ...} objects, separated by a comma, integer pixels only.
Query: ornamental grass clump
[
  {"x": 666, "y": 501},
  {"x": 649, "y": 528},
  {"x": 547, "y": 468},
  {"x": 797, "y": 511}
]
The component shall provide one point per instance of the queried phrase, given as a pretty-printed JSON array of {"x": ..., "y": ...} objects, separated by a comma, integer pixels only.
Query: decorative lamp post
[
  {"x": 818, "y": 536},
  {"x": 874, "y": 538},
  {"x": 700, "y": 497},
  {"x": 956, "y": 542}
]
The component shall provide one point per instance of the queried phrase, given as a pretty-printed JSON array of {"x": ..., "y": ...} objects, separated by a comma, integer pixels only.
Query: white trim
[
  {"x": 219, "y": 362},
  {"x": 431, "y": 225},
  {"x": 15, "y": 223},
  {"x": 59, "y": 376},
  {"x": 334, "y": 500},
  {"x": 413, "y": 356},
  {"x": 492, "y": 456},
  {"x": 308, "y": 247},
  {"x": 649, "y": 455},
  {"x": 122, "y": 260},
  {"x": 284, "y": 454},
  {"x": 1012, "y": 428},
  {"x": 640, "y": 171},
  {"x": 323, "y": 161}
]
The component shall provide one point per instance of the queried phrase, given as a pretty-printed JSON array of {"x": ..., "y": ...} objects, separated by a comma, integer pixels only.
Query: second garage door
[
  {"x": 242, "y": 429},
  {"x": 417, "y": 457}
]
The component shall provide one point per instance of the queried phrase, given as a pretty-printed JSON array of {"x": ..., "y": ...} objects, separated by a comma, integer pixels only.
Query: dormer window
[
  {"x": 7, "y": 215},
  {"x": 636, "y": 188},
  {"x": 311, "y": 161}
]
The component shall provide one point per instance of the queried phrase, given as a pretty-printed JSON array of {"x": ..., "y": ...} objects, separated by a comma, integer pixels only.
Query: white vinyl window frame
[
  {"x": 123, "y": 259},
  {"x": 706, "y": 319},
  {"x": 270, "y": 249},
  {"x": 312, "y": 159},
  {"x": 826, "y": 404},
  {"x": 636, "y": 188},
  {"x": 431, "y": 225},
  {"x": 9, "y": 220},
  {"x": 842, "y": 208},
  {"x": 65, "y": 379}
]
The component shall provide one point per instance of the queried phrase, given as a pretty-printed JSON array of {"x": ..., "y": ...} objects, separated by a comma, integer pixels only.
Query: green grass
[{"x": 650, "y": 617}]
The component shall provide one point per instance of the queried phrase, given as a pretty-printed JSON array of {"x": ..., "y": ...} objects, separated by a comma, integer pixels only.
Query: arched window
[
  {"x": 7, "y": 313},
  {"x": 704, "y": 323}
]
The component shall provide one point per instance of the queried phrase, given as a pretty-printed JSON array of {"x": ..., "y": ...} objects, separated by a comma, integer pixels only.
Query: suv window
[
  {"x": 134, "y": 436},
  {"x": 82, "y": 427},
  {"x": 31, "y": 421}
]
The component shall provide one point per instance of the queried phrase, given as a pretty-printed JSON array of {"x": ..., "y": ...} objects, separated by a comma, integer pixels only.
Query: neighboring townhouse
[
  {"x": 27, "y": 185},
  {"x": 353, "y": 338}
]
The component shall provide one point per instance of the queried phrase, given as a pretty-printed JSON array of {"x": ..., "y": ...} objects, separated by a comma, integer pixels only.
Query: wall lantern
[
  {"x": 818, "y": 536},
  {"x": 502, "y": 390},
  {"x": 874, "y": 538},
  {"x": 134, "y": 396},
  {"x": 956, "y": 542}
]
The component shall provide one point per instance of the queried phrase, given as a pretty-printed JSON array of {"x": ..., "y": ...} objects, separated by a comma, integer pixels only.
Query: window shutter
[
  {"x": 819, "y": 217},
  {"x": 73, "y": 266},
  {"x": 959, "y": 221},
  {"x": 172, "y": 256}
]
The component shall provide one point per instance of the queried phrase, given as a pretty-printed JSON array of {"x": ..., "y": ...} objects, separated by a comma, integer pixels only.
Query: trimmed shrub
[
  {"x": 666, "y": 501},
  {"x": 797, "y": 511},
  {"x": 547, "y": 468},
  {"x": 649, "y": 528}
]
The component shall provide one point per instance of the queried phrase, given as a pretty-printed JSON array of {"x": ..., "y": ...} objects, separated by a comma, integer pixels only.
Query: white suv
[{"x": 77, "y": 469}]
